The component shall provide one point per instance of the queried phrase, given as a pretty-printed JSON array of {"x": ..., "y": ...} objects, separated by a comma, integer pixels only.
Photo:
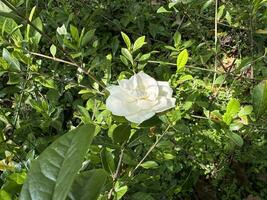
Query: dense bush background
[{"x": 58, "y": 56}]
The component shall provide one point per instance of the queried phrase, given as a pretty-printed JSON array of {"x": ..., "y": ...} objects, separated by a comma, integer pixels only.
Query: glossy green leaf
[
  {"x": 149, "y": 165},
  {"x": 88, "y": 185},
  {"x": 126, "y": 40},
  {"x": 74, "y": 33},
  {"x": 139, "y": 43},
  {"x": 121, "y": 191},
  {"x": 35, "y": 35},
  {"x": 182, "y": 60},
  {"x": 259, "y": 99},
  {"x": 127, "y": 55},
  {"x": 232, "y": 109},
  {"x": 12, "y": 61},
  {"x": 144, "y": 57},
  {"x": 52, "y": 174},
  {"x": 53, "y": 50},
  {"x": 162, "y": 10},
  {"x": 28, "y": 25}
]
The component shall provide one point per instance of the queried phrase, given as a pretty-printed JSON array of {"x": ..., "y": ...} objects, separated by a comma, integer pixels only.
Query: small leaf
[
  {"x": 220, "y": 12},
  {"x": 235, "y": 138},
  {"x": 182, "y": 60},
  {"x": 127, "y": 55},
  {"x": 12, "y": 61},
  {"x": 139, "y": 43},
  {"x": 126, "y": 40},
  {"x": 162, "y": 10},
  {"x": 53, "y": 50},
  {"x": 232, "y": 109},
  {"x": 30, "y": 19},
  {"x": 87, "y": 37},
  {"x": 184, "y": 78},
  {"x": 85, "y": 117},
  {"x": 120, "y": 192},
  {"x": 107, "y": 160},
  {"x": 246, "y": 110},
  {"x": 219, "y": 80},
  {"x": 177, "y": 39},
  {"x": 144, "y": 57},
  {"x": 149, "y": 165},
  {"x": 62, "y": 30},
  {"x": 52, "y": 174},
  {"x": 124, "y": 60},
  {"x": 88, "y": 185},
  {"x": 74, "y": 33},
  {"x": 259, "y": 99}
]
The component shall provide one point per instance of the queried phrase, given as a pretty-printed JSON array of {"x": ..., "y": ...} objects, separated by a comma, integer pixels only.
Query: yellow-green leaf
[{"x": 182, "y": 60}]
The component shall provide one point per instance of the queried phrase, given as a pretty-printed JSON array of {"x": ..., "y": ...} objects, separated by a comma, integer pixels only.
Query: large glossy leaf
[
  {"x": 52, "y": 174},
  {"x": 88, "y": 185},
  {"x": 259, "y": 98}
]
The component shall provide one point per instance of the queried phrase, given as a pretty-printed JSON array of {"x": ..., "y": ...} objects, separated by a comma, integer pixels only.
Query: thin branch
[
  {"x": 150, "y": 150},
  {"x": 174, "y": 64},
  {"x": 215, "y": 41},
  {"x": 54, "y": 59},
  {"x": 116, "y": 175}
]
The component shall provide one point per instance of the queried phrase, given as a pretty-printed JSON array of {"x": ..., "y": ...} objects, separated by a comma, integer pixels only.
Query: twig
[
  {"x": 174, "y": 64},
  {"x": 116, "y": 175},
  {"x": 150, "y": 149},
  {"x": 54, "y": 59},
  {"x": 215, "y": 41}
]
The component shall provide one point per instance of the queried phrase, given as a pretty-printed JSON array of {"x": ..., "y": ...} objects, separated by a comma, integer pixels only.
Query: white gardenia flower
[{"x": 139, "y": 97}]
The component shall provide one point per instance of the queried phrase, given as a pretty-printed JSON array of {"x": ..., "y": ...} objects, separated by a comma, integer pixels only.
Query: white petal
[
  {"x": 119, "y": 106},
  {"x": 149, "y": 85},
  {"x": 165, "y": 89},
  {"x": 126, "y": 84},
  {"x": 115, "y": 89},
  {"x": 146, "y": 104},
  {"x": 141, "y": 116},
  {"x": 164, "y": 104}
]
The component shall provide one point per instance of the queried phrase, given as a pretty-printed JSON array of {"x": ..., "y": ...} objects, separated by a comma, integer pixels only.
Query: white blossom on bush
[{"x": 139, "y": 97}]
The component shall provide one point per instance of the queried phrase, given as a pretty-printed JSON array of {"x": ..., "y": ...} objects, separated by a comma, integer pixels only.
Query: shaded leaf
[
  {"x": 52, "y": 174},
  {"x": 88, "y": 185},
  {"x": 259, "y": 99},
  {"x": 121, "y": 133}
]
